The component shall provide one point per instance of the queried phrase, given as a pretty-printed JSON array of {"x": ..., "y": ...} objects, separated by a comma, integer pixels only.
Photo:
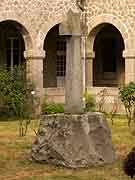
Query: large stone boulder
[{"x": 74, "y": 140}]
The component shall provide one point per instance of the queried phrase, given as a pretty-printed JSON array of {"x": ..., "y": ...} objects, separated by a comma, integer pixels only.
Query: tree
[{"x": 127, "y": 96}]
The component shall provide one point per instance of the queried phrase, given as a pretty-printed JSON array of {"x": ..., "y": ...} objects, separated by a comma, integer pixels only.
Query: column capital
[
  {"x": 72, "y": 26},
  {"x": 129, "y": 54},
  {"x": 90, "y": 55},
  {"x": 33, "y": 54}
]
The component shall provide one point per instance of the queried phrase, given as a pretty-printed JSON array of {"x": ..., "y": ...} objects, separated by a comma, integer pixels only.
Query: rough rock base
[{"x": 74, "y": 140}]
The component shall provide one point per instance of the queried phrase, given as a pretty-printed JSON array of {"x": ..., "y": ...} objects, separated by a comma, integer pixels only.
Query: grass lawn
[{"x": 15, "y": 161}]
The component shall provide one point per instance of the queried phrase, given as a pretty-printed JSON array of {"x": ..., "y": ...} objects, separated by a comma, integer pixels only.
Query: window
[
  {"x": 14, "y": 52},
  {"x": 61, "y": 57}
]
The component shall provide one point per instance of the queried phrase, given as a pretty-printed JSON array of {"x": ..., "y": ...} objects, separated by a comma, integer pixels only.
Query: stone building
[{"x": 45, "y": 36}]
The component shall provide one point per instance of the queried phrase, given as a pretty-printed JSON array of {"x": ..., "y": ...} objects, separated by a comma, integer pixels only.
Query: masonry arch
[
  {"x": 94, "y": 22},
  {"x": 14, "y": 39},
  {"x": 54, "y": 67},
  {"x": 20, "y": 21},
  {"x": 107, "y": 43}
]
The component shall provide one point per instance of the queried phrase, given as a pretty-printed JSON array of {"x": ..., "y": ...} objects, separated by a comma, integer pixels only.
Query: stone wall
[
  {"x": 122, "y": 10},
  {"x": 39, "y": 16},
  {"x": 36, "y": 16},
  {"x": 119, "y": 13}
]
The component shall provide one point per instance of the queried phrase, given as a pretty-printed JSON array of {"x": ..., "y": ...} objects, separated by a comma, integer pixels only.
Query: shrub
[
  {"x": 90, "y": 103},
  {"x": 114, "y": 109},
  {"x": 15, "y": 94},
  {"x": 101, "y": 100},
  {"x": 129, "y": 164},
  {"x": 127, "y": 96},
  {"x": 52, "y": 108}
]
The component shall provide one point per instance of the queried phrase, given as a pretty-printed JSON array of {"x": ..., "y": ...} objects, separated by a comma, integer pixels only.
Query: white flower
[{"x": 33, "y": 92}]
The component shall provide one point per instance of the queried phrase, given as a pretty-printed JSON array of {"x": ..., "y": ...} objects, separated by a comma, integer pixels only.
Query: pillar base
[{"x": 74, "y": 141}]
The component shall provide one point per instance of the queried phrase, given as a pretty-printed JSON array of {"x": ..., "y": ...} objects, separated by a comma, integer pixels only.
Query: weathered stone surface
[{"x": 74, "y": 140}]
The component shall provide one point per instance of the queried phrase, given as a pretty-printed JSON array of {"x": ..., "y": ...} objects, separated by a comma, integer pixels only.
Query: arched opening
[
  {"x": 11, "y": 44},
  {"x": 108, "y": 65},
  {"x": 54, "y": 69}
]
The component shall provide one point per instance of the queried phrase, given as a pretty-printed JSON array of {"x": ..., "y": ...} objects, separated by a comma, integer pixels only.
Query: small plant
[
  {"x": 52, "y": 108},
  {"x": 90, "y": 103},
  {"x": 114, "y": 110},
  {"x": 101, "y": 100},
  {"x": 127, "y": 96}
]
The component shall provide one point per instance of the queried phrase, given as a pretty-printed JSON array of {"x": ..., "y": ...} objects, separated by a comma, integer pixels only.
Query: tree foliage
[{"x": 127, "y": 96}]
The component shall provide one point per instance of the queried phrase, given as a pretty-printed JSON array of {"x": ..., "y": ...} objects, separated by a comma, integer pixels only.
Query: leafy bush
[
  {"x": 52, "y": 108},
  {"x": 16, "y": 99},
  {"x": 15, "y": 92},
  {"x": 127, "y": 96},
  {"x": 90, "y": 103},
  {"x": 129, "y": 164}
]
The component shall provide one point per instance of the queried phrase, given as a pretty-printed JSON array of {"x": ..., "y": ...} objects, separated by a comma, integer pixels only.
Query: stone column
[
  {"x": 34, "y": 68},
  {"x": 89, "y": 68},
  {"x": 83, "y": 57},
  {"x": 74, "y": 76},
  {"x": 129, "y": 56}
]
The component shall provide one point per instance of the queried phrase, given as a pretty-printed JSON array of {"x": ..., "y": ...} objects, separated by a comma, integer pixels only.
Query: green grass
[{"x": 15, "y": 163}]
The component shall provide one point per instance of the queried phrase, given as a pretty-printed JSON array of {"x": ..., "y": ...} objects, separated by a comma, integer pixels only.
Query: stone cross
[
  {"x": 74, "y": 67},
  {"x": 81, "y": 4}
]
